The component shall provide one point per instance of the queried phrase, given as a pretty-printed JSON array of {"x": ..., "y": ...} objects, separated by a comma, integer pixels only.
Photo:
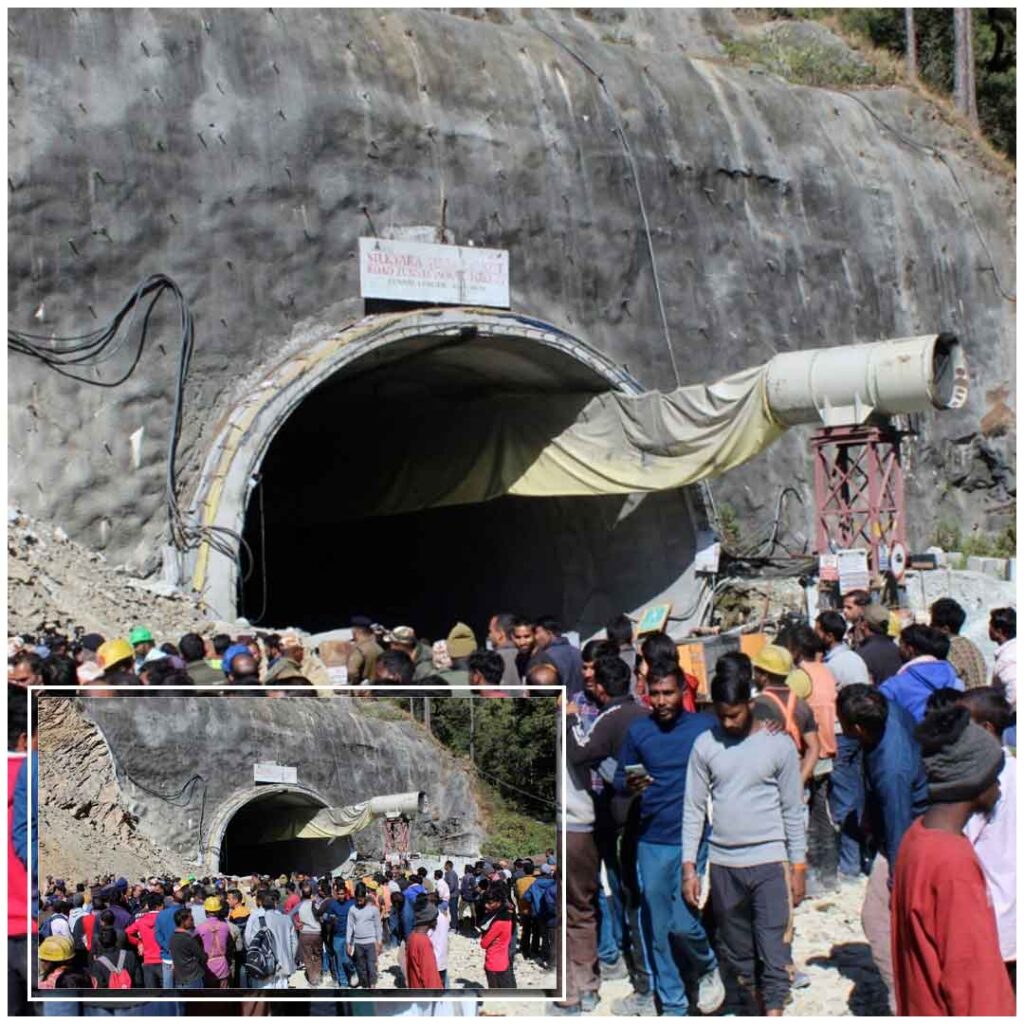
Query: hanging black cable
[{"x": 91, "y": 349}]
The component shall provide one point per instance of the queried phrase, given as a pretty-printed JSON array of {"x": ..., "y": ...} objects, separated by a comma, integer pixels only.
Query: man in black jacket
[
  {"x": 598, "y": 749},
  {"x": 880, "y": 654}
]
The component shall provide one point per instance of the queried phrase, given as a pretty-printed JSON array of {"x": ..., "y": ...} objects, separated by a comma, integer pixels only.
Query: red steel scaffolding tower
[{"x": 858, "y": 490}]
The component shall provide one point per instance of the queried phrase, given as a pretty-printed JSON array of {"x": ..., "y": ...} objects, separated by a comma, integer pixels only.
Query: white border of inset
[{"x": 264, "y": 994}]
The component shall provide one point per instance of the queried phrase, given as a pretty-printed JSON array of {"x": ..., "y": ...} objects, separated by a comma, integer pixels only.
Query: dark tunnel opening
[
  {"x": 323, "y": 552},
  {"x": 247, "y": 847}
]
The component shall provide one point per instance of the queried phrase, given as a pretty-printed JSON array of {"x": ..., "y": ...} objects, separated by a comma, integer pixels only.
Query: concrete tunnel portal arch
[
  {"x": 293, "y": 466},
  {"x": 239, "y": 842}
]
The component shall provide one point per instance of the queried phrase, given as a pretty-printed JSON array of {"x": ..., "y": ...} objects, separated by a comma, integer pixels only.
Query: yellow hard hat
[
  {"x": 56, "y": 949},
  {"x": 774, "y": 660},
  {"x": 212, "y": 904},
  {"x": 113, "y": 651},
  {"x": 183, "y": 883},
  {"x": 800, "y": 683}
]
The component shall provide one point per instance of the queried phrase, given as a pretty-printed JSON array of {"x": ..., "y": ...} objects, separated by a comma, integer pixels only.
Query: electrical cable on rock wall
[
  {"x": 636, "y": 184},
  {"x": 179, "y": 799},
  {"x": 64, "y": 353}
]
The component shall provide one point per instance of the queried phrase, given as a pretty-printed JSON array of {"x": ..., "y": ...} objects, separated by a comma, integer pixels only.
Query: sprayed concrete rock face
[
  {"x": 184, "y": 774},
  {"x": 237, "y": 151}
]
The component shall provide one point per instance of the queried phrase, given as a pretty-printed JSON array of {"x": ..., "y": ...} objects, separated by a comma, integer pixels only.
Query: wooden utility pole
[
  {"x": 472, "y": 753},
  {"x": 426, "y": 712},
  {"x": 908, "y": 21},
  {"x": 964, "y": 96}
]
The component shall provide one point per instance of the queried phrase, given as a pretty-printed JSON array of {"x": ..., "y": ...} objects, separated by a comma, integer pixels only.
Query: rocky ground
[
  {"x": 829, "y": 948},
  {"x": 465, "y": 969},
  {"x": 54, "y": 580},
  {"x": 84, "y": 828}
]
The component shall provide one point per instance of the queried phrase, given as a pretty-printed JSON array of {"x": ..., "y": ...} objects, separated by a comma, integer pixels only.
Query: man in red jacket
[
  {"x": 946, "y": 958},
  {"x": 495, "y": 939},
  {"x": 420, "y": 962},
  {"x": 140, "y": 931}
]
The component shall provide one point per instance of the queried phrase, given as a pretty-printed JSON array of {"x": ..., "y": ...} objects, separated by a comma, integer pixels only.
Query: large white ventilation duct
[{"x": 844, "y": 385}]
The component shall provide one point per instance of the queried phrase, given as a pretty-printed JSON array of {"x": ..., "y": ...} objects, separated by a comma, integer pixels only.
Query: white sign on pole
[
  {"x": 264, "y": 772},
  {"x": 709, "y": 551},
  {"x": 424, "y": 272}
]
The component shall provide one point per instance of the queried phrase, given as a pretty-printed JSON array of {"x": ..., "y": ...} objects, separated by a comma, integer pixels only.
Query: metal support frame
[
  {"x": 396, "y": 837},
  {"x": 858, "y": 490}
]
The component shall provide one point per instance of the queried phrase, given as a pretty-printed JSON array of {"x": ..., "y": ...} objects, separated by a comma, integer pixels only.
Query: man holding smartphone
[{"x": 652, "y": 761}]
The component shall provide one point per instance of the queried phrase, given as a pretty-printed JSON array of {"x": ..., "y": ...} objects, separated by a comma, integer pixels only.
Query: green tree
[{"x": 514, "y": 745}]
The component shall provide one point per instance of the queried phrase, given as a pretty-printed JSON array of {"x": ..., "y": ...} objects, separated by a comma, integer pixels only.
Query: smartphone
[{"x": 637, "y": 770}]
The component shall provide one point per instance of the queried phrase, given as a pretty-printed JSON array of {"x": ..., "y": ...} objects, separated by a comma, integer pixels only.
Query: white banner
[
  {"x": 274, "y": 773},
  {"x": 423, "y": 272}
]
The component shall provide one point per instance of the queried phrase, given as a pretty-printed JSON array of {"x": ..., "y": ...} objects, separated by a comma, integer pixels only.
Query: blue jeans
[
  {"x": 704, "y": 849},
  {"x": 168, "y": 973},
  {"x": 609, "y": 931},
  {"x": 664, "y": 916},
  {"x": 342, "y": 967},
  {"x": 610, "y": 910},
  {"x": 197, "y": 983},
  {"x": 59, "y": 1008},
  {"x": 847, "y": 801}
]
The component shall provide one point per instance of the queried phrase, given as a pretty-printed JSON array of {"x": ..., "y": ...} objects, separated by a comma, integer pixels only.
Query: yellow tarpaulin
[
  {"x": 560, "y": 444},
  {"x": 329, "y": 823}
]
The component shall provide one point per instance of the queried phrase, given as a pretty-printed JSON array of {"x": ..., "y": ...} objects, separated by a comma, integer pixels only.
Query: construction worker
[{"x": 142, "y": 643}]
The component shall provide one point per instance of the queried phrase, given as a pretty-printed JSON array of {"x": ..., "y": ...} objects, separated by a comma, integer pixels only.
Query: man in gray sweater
[
  {"x": 758, "y": 843},
  {"x": 364, "y": 937}
]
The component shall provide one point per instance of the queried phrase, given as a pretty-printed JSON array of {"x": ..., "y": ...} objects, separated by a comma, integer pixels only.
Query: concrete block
[{"x": 993, "y": 567}]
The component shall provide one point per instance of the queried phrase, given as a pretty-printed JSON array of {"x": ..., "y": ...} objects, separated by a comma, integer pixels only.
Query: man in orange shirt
[{"x": 822, "y": 839}]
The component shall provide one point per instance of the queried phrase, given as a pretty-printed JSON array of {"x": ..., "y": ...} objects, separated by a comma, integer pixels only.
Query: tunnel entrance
[
  {"x": 247, "y": 846},
  {"x": 331, "y": 539},
  {"x": 325, "y": 549}
]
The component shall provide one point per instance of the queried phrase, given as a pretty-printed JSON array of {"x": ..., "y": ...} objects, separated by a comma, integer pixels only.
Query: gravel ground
[{"x": 829, "y": 947}]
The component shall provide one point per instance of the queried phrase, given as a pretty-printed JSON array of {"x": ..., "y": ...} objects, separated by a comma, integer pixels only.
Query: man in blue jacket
[
  {"x": 924, "y": 671},
  {"x": 164, "y": 929},
  {"x": 896, "y": 793},
  {"x": 653, "y": 760},
  {"x": 334, "y": 916}
]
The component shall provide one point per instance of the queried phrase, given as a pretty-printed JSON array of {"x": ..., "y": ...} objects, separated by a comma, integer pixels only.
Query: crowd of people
[
  {"x": 518, "y": 653},
  {"x": 695, "y": 826},
  {"x": 222, "y": 932},
  {"x": 694, "y": 821}
]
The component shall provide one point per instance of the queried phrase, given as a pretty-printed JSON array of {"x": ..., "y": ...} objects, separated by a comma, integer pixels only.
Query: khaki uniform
[
  {"x": 362, "y": 660},
  {"x": 282, "y": 669}
]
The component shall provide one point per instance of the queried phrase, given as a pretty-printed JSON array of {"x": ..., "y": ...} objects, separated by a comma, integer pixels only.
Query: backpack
[
  {"x": 549, "y": 903},
  {"x": 260, "y": 958},
  {"x": 46, "y": 930},
  {"x": 119, "y": 976},
  {"x": 467, "y": 890}
]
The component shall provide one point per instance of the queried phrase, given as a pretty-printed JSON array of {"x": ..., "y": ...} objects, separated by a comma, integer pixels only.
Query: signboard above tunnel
[
  {"x": 427, "y": 273},
  {"x": 272, "y": 772}
]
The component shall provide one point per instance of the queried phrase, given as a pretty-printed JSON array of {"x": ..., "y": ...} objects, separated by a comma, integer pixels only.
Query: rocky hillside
[
  {"x": 243, "y": 152},
  {"x": 85, "y": 827}
]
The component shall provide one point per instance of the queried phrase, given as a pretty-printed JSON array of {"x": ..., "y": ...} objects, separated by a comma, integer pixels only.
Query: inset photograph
[{"x": 310, "y": 846}]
